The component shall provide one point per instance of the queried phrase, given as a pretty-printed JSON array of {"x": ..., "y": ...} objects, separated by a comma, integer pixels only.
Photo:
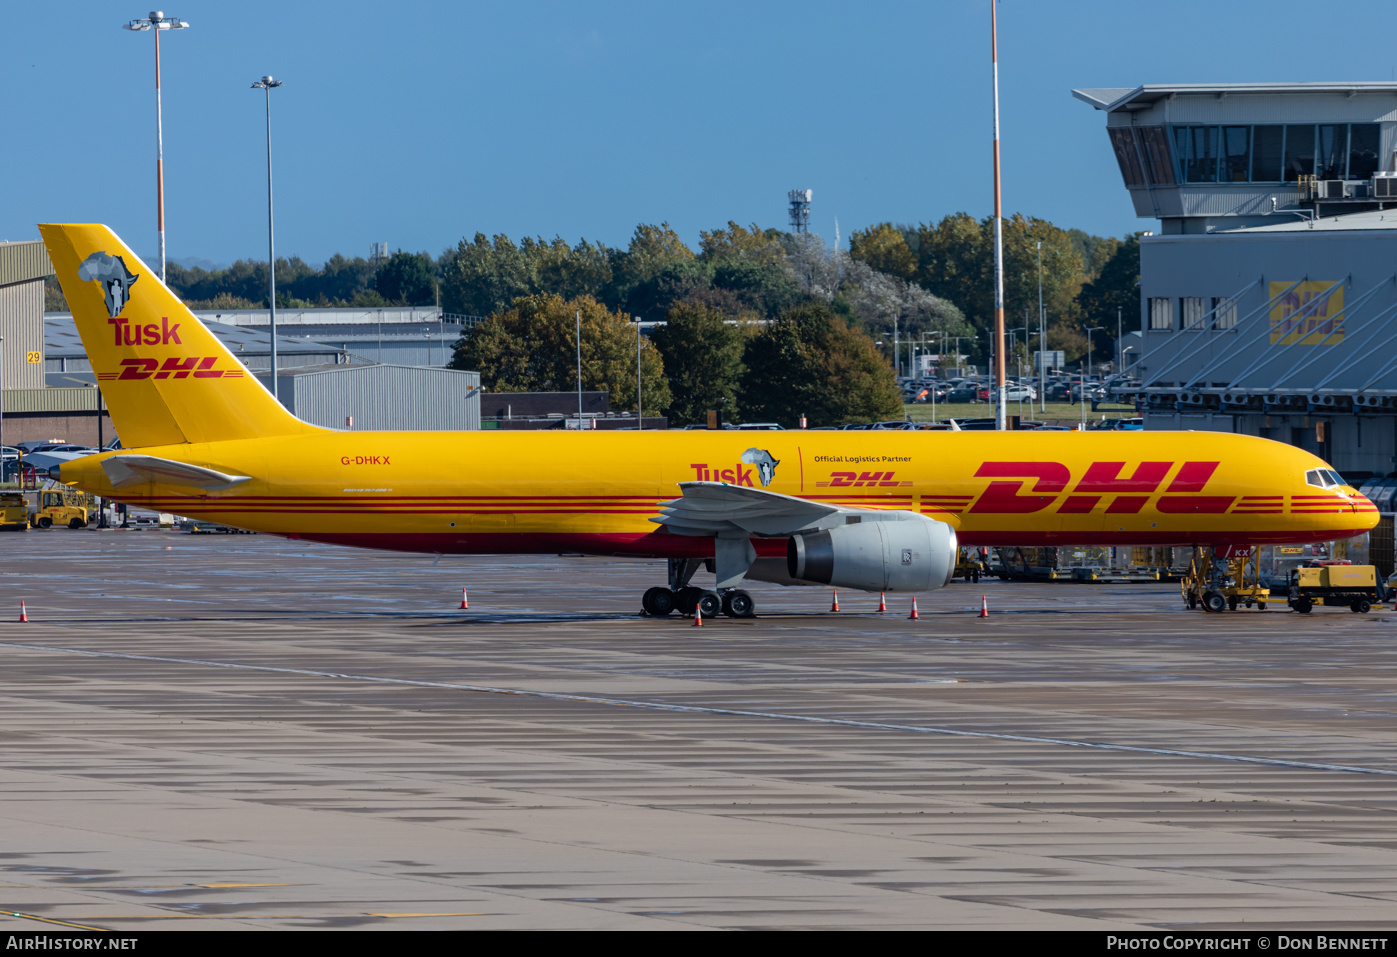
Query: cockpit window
[{"x": 1323, "y": 478}]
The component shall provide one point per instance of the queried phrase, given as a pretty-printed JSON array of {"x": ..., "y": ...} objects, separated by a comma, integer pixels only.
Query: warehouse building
[
  {"x": 1268, "y": 294},
  {"x": 381, "y": 397}
]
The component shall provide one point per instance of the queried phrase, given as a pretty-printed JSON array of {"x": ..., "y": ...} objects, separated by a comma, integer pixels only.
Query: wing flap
[{"x": 125, "y": 470}]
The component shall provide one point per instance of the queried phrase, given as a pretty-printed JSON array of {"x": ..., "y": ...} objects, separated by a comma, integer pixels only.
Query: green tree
[
  {"x": 885, "y": 248},
  {"x": 750, "y": 244},
  {"x": 703, "y": 361},
  {"x": 1116, "y": 287},
  {"x": 811, "y": 362},
  {"x": 956, "y": 262},
  {"x": 485, "y": 276},
  {"x": 652, "y": 248},
  {"x": 532, "y": 347},
  {"x": 407, "y": 279}
]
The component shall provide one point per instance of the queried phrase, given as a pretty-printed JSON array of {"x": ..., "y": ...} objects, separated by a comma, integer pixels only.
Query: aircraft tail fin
[{"x": 166, "y": 379}]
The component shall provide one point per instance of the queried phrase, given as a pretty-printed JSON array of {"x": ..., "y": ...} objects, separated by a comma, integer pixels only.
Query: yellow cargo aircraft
[{"x": 879, "y": 511}]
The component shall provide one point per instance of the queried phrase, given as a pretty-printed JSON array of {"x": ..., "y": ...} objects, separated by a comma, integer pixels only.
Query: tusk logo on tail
[{"x": 115, "y": 278}]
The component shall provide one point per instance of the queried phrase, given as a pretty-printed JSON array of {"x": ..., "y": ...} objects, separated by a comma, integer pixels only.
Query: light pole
[
  {"x": 639, "y": 413},
  {"x": 266, "y": 84},
  {"x": 1089, "y": 347},
  {"x": 1118, "y": 338},
  {"x": 157, "y": 21},
  {"x": 1042, "y": 341}
]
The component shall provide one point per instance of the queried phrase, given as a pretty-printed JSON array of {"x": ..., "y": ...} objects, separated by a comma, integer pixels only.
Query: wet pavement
[{"x": 241, "y": 731}]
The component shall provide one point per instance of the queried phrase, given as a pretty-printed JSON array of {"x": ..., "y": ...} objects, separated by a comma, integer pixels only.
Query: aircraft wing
[
  {"x": 713, "y": 508},
  {"x": 124, "y": 470}
]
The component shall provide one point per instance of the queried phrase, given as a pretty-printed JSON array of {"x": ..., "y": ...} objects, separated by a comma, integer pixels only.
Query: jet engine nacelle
[{"x": 904, "y": 552}]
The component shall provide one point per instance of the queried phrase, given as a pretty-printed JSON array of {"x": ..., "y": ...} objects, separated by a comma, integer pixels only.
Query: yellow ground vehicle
[
  {"x": 14, "y": 512},
  {"x": 1357, "y": 586},
  {"x": 1222, "y": 579},
  {"x": 970, "y": 564},
  {"x": 62, "y": 507}
]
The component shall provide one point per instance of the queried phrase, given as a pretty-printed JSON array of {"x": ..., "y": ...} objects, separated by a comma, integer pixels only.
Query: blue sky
[{"x": 418, "y": 124}]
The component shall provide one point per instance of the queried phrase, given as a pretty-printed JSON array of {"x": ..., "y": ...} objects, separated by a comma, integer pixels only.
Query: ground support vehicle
[
  {"x": 62, "y": 506},
  {"x": 970, "y": 564},
  {"x": 14, "y": 512},
  {"x": 1334, "y": 583},
  {"x": 1221, "y": 579}
]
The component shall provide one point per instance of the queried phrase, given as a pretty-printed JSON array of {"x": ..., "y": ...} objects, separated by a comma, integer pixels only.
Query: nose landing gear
[{"x": 660, "y": 602}]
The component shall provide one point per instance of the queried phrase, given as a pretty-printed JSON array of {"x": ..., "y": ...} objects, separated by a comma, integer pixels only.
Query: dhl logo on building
[{"x": 1311, "y": 314}]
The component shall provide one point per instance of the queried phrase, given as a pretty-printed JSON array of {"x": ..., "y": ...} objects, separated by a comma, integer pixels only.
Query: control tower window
[
  {"x": 1236, "y": 153},
  {"x": 1197, "y": 147},
  {"x": 1124, "y": 144},
  {"x": 1362, "y": 150},
  {"x": 1266, "y": 153},
  {"x": 1154, "y": 142},
  {"x": 1333, "y": 150},
  {"x": 1299, "y": 152}
]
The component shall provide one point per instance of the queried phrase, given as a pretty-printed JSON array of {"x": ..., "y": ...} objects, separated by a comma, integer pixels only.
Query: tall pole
[
  {"x": 579, "y": 368},
  {"x": 1000, "y": 420},
  {"x": 1118, "y": 340},
  {"x": 1042, "y": 341},
  {"x": 271, "y": 241},
  {"x": 639, "y": 412},
  {"x": 159, "y": 159},
  {"x": 157, "y": 21}
]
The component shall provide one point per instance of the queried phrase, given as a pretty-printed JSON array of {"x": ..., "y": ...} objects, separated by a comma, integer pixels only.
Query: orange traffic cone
[
  {"x": 464, "y": 603},
  {"x": 984, "y": 608},
  {"x": 914, "y": 616},
  {"x": 698, "y": 616},
  {"x": 834, "y": 604},
  {"x": 23, "y": 614},
  {"x": 882, "y": 603}
]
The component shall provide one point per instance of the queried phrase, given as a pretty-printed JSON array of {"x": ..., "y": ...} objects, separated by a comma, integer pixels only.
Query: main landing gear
[{"x": 660, "y": 601}]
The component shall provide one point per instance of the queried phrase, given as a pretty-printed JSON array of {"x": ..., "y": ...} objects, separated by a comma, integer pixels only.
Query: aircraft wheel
[
  {"x": 710, "y": 603},
  {"x": 1302, "y": 605},
  {"x": 1214, "y": 602},
  {"x": 738, "y": 604},
  {"x": 657, "y": 601},
  {"x": 687, "y": 599},
  {"x": 1361, "y": 606}
]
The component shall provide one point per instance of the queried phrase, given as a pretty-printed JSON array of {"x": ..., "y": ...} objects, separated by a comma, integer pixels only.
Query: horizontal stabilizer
[{"x": 124, "y": 470}]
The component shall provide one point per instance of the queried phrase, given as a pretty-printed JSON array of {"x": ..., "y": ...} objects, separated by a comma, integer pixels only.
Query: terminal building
[{"x": 1268, "y": 290}]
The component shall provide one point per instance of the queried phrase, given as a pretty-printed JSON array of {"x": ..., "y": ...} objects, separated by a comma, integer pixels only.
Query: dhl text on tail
[{"x": 882, "y": 511}]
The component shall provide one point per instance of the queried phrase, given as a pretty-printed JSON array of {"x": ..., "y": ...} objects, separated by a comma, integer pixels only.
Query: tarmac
[{"x": 247, "y": 732}]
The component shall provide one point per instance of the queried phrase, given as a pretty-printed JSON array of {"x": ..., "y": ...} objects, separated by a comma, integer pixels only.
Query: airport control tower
[{"x": 1268, "y": 285}]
